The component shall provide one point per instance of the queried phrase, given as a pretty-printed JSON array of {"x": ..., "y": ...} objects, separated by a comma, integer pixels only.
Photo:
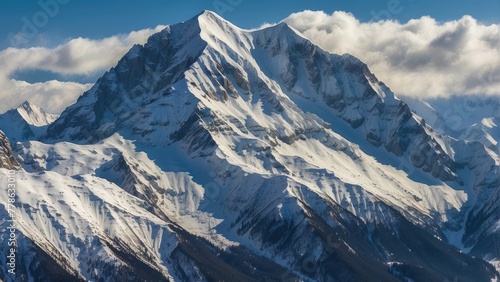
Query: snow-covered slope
[
  {"x": 472, "y": 123},
  {"x": 26, "y": 122},
  {"x": 15, "y": 127},
  {"x": 245, "y": 155}
]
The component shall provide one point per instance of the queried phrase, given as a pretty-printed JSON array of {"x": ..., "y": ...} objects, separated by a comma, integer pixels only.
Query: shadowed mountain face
[
  {"x": 7, "y": 159},
  {"x": 220, "y": 154},
  {"x": 26, "y": 122},
  {"x": 472, "y": 124}
]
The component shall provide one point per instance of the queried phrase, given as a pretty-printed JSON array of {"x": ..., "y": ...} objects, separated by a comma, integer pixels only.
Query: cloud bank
[
  {"x": 80, "y": 56},
  {"x": 421, "y": 58}
]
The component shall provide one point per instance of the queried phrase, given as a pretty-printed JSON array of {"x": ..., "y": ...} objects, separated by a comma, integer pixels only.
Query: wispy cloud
[
  {"x": 80, "y": 56},
  {"x": 420, "y": 58}
]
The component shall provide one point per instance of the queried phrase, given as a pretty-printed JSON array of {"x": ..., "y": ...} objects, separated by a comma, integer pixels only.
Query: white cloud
[
  {"x": 53, "y": 96},
  {"x": 420, "y": 58},
  {"x": 80, "y": 56}
]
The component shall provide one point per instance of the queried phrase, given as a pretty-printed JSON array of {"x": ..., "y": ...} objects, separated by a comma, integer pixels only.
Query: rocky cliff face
[{"x": 7, "y": 159}]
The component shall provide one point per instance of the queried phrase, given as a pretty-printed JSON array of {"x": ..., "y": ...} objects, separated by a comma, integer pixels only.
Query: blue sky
[{"x": 99, "y": 19}]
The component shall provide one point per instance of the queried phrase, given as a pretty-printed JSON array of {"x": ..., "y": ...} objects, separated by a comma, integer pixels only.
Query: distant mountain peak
[{"x": 35, "y": 115}]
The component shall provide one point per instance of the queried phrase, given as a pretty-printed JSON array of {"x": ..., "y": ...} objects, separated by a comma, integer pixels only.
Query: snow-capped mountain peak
[
  {"x": 26, "y": 122},
  {"x": 35, "y": 115},
  {"x": 282, "y": 62}
]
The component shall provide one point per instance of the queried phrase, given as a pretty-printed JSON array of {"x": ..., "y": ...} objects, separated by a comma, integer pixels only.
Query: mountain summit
[
  {"x": 212, "y": 60},
  {"x": 222, "y": 154}
]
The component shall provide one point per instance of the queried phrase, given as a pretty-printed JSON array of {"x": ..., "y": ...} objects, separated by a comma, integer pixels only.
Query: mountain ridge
[{"x": 396, "y": 144}]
